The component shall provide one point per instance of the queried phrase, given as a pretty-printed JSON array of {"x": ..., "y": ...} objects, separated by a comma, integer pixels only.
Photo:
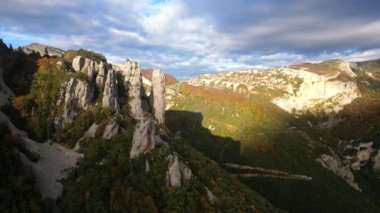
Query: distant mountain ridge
[{"x": 43, "y": 49}]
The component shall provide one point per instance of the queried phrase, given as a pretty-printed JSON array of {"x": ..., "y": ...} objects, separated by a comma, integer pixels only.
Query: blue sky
[{"x": 188, "y": 38}]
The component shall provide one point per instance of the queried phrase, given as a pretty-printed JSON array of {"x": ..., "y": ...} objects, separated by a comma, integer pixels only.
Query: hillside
[
  {"x": 95, "y": 142},
  {"x": 326, "y": 135}
]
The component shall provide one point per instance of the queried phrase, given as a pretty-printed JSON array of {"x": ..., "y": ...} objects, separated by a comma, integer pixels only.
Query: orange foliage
[
  {"x": 215, "y": 94},
  {"x": 45, "y": 63},
  {"x": 19, "y": 102}
]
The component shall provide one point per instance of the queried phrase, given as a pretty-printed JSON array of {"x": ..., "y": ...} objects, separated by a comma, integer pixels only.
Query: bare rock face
[
  {"x": 102, "y": 72},
  {"x": 133, "y": 84},
  {"x": 91, "y": 72},
  {"x": 177, "y": 171},
  {"x": 110, "y": 96},
  {"x": 78, "y": 63},
  {"x": 82, "y": 64},
  {"x": 335, "y": 165},
  {"x": 111, "y": 130},
  {"x": 74, "y": 96},
  {"x": 158, "y": 95},
  {"x": 143, "y": 137}
]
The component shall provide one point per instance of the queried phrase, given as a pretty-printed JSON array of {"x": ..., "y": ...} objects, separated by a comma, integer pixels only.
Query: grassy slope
[{"x": 265, "y": 140}]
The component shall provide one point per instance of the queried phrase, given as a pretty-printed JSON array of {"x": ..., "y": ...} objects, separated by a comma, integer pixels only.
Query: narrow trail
[{"x": 265, "y": 173}]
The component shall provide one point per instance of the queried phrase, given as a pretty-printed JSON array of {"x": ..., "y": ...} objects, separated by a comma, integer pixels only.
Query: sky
[{"x": 187, "y": 38}]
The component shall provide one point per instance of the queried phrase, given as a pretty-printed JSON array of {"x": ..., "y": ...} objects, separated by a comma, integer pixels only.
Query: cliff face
[
  {"x": 75, "y": 95},
  {"x": 326, "y": 87},
  {"x": 110, "y": 94}
]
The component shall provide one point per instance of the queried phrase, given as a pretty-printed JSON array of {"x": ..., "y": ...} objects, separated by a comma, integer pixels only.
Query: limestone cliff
[
  {"x": 158, "y": 95},
  {"x": 327, "y": 86},
  {"x": 110, "y": 95},
  {"x": 75, "y": 95},
  {"x": 177, "y": 171}
]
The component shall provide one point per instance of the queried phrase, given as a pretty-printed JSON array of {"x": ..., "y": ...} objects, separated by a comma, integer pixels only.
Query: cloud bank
[{"x": 188, "y": 38}]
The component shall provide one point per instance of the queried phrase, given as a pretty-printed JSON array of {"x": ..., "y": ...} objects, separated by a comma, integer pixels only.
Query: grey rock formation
[
  {"x": 43, "y": 49},
  {"x": 91, "y": 70},
  {"x": 158, "y": 95},
  {"x": 111, "y": 130},
  {"x": 177, "y": 171},
  {"x": 82, "y": 64},
  {"x": 335, "y": 165},
  {"x": 133, "y": 84},
  {"x": 78, "y": 63},
  {"x": 110, "y": 97},
  {"x": 74, "y": 96},
  {"x": 143, "y": 137},
  {"x": 102, "y": 72}
]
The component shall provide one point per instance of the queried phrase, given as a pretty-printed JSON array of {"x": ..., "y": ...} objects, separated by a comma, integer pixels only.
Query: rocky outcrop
[
  {"x": 345, "y": 68},
  {"x": 74, "y": 95},
  {"x": 102, "y": 73},
  {"x": 295, "y": 89},
  {"x": 158, "y": 95},
  {"x": 177, "y": 171},
  {"x": 82, "y": 64},
  {"x": 110, "y": 96},
  {"x": 134, "y": 89},
  {"x": 111, "y": 130},
  {"x": 78, "y": 63},
  {"x": 318, "y": 93},
  {"x": 361, "y": 155},
  {"x": 43, "y": 49},
  {"x": 91, "y": 70},
  {"x": 335, "y": 165},
  {"x": 144, "y": 137}
]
